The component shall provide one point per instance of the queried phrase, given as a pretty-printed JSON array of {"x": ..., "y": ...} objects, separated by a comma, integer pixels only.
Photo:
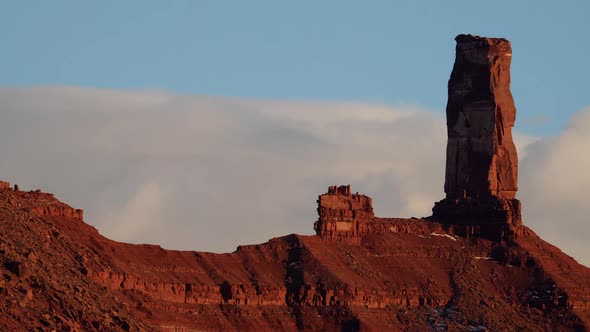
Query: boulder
[{"x": 4, "y": 185}]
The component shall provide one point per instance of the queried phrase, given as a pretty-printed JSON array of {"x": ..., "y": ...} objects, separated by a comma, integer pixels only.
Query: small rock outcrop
[
  {"x": 4, "y": 185},
  {"x": 342, "y": 214},
  {"x": 482, "y": 164}
]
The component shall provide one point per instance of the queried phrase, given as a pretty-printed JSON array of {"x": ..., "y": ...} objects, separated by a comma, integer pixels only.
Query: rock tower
[
  {"x": 482, "y": 164},
  {"x": 342, "y": 214}
]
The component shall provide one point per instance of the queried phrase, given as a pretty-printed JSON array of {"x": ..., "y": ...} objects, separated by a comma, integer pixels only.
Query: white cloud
[
  {"x": 144, "y": 208},
  {"x": 214, "y": 172},
  {"x": 555, "y": 183},
  {"x": 210, "y": 173}
]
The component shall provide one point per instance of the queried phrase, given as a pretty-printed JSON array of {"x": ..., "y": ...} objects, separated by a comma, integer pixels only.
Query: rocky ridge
[{"x": 409, "y": 275}]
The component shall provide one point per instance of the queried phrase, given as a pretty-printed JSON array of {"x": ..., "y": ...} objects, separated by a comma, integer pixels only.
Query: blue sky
[{"x": 391, "y": 52}]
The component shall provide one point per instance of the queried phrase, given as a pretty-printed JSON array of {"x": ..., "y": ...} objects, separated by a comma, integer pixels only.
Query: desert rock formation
[
  {"x": 472, "y": 266},
  {"x": 59, "y": 273},
  {"x": 342, "y": 214},
  {"x": 481, "y": 156},
  {"x": 482, "y": 164}
]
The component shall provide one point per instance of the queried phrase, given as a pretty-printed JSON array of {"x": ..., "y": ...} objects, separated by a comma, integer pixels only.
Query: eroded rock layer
[
  {"x": 343, "y": 215},
  {"x": 482, "y": 164},
  {"x": 59, "y": 273}
]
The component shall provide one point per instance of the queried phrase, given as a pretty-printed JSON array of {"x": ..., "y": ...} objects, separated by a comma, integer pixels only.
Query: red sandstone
[
  {"x": 398, "y": 275},
  {"x": 482, "y": 164}
]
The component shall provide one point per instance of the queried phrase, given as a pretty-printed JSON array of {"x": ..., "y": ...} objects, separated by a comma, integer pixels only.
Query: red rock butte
[{"x": 472, "y": 266}]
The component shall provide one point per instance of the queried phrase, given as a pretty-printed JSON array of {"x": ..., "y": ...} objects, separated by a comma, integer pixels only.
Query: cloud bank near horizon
[{"x": 209, "y": 173}]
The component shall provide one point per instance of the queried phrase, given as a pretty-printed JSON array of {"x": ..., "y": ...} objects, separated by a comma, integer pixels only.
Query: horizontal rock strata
[{"x": 343, "y": 215}]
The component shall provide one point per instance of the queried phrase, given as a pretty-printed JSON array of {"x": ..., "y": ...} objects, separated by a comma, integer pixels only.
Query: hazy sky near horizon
[{"x": 201, "y": 126}]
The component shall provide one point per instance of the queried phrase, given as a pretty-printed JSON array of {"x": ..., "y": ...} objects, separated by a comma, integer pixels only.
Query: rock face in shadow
[
  {"x": 482, "y": 164},
  {"x": 481, "y": 156}
]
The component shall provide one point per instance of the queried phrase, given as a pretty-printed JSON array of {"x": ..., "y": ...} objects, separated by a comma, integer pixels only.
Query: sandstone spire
[
  {"x": 482, "y": 164},
  {"x": 481, "y": 157}
]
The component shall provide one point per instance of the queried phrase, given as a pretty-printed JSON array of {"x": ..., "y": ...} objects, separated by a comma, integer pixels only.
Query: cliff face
[
  {"x": 481, "y": 156},
  {"x": 472, "y": 266},
  {"x": 482, "y": 164}
]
